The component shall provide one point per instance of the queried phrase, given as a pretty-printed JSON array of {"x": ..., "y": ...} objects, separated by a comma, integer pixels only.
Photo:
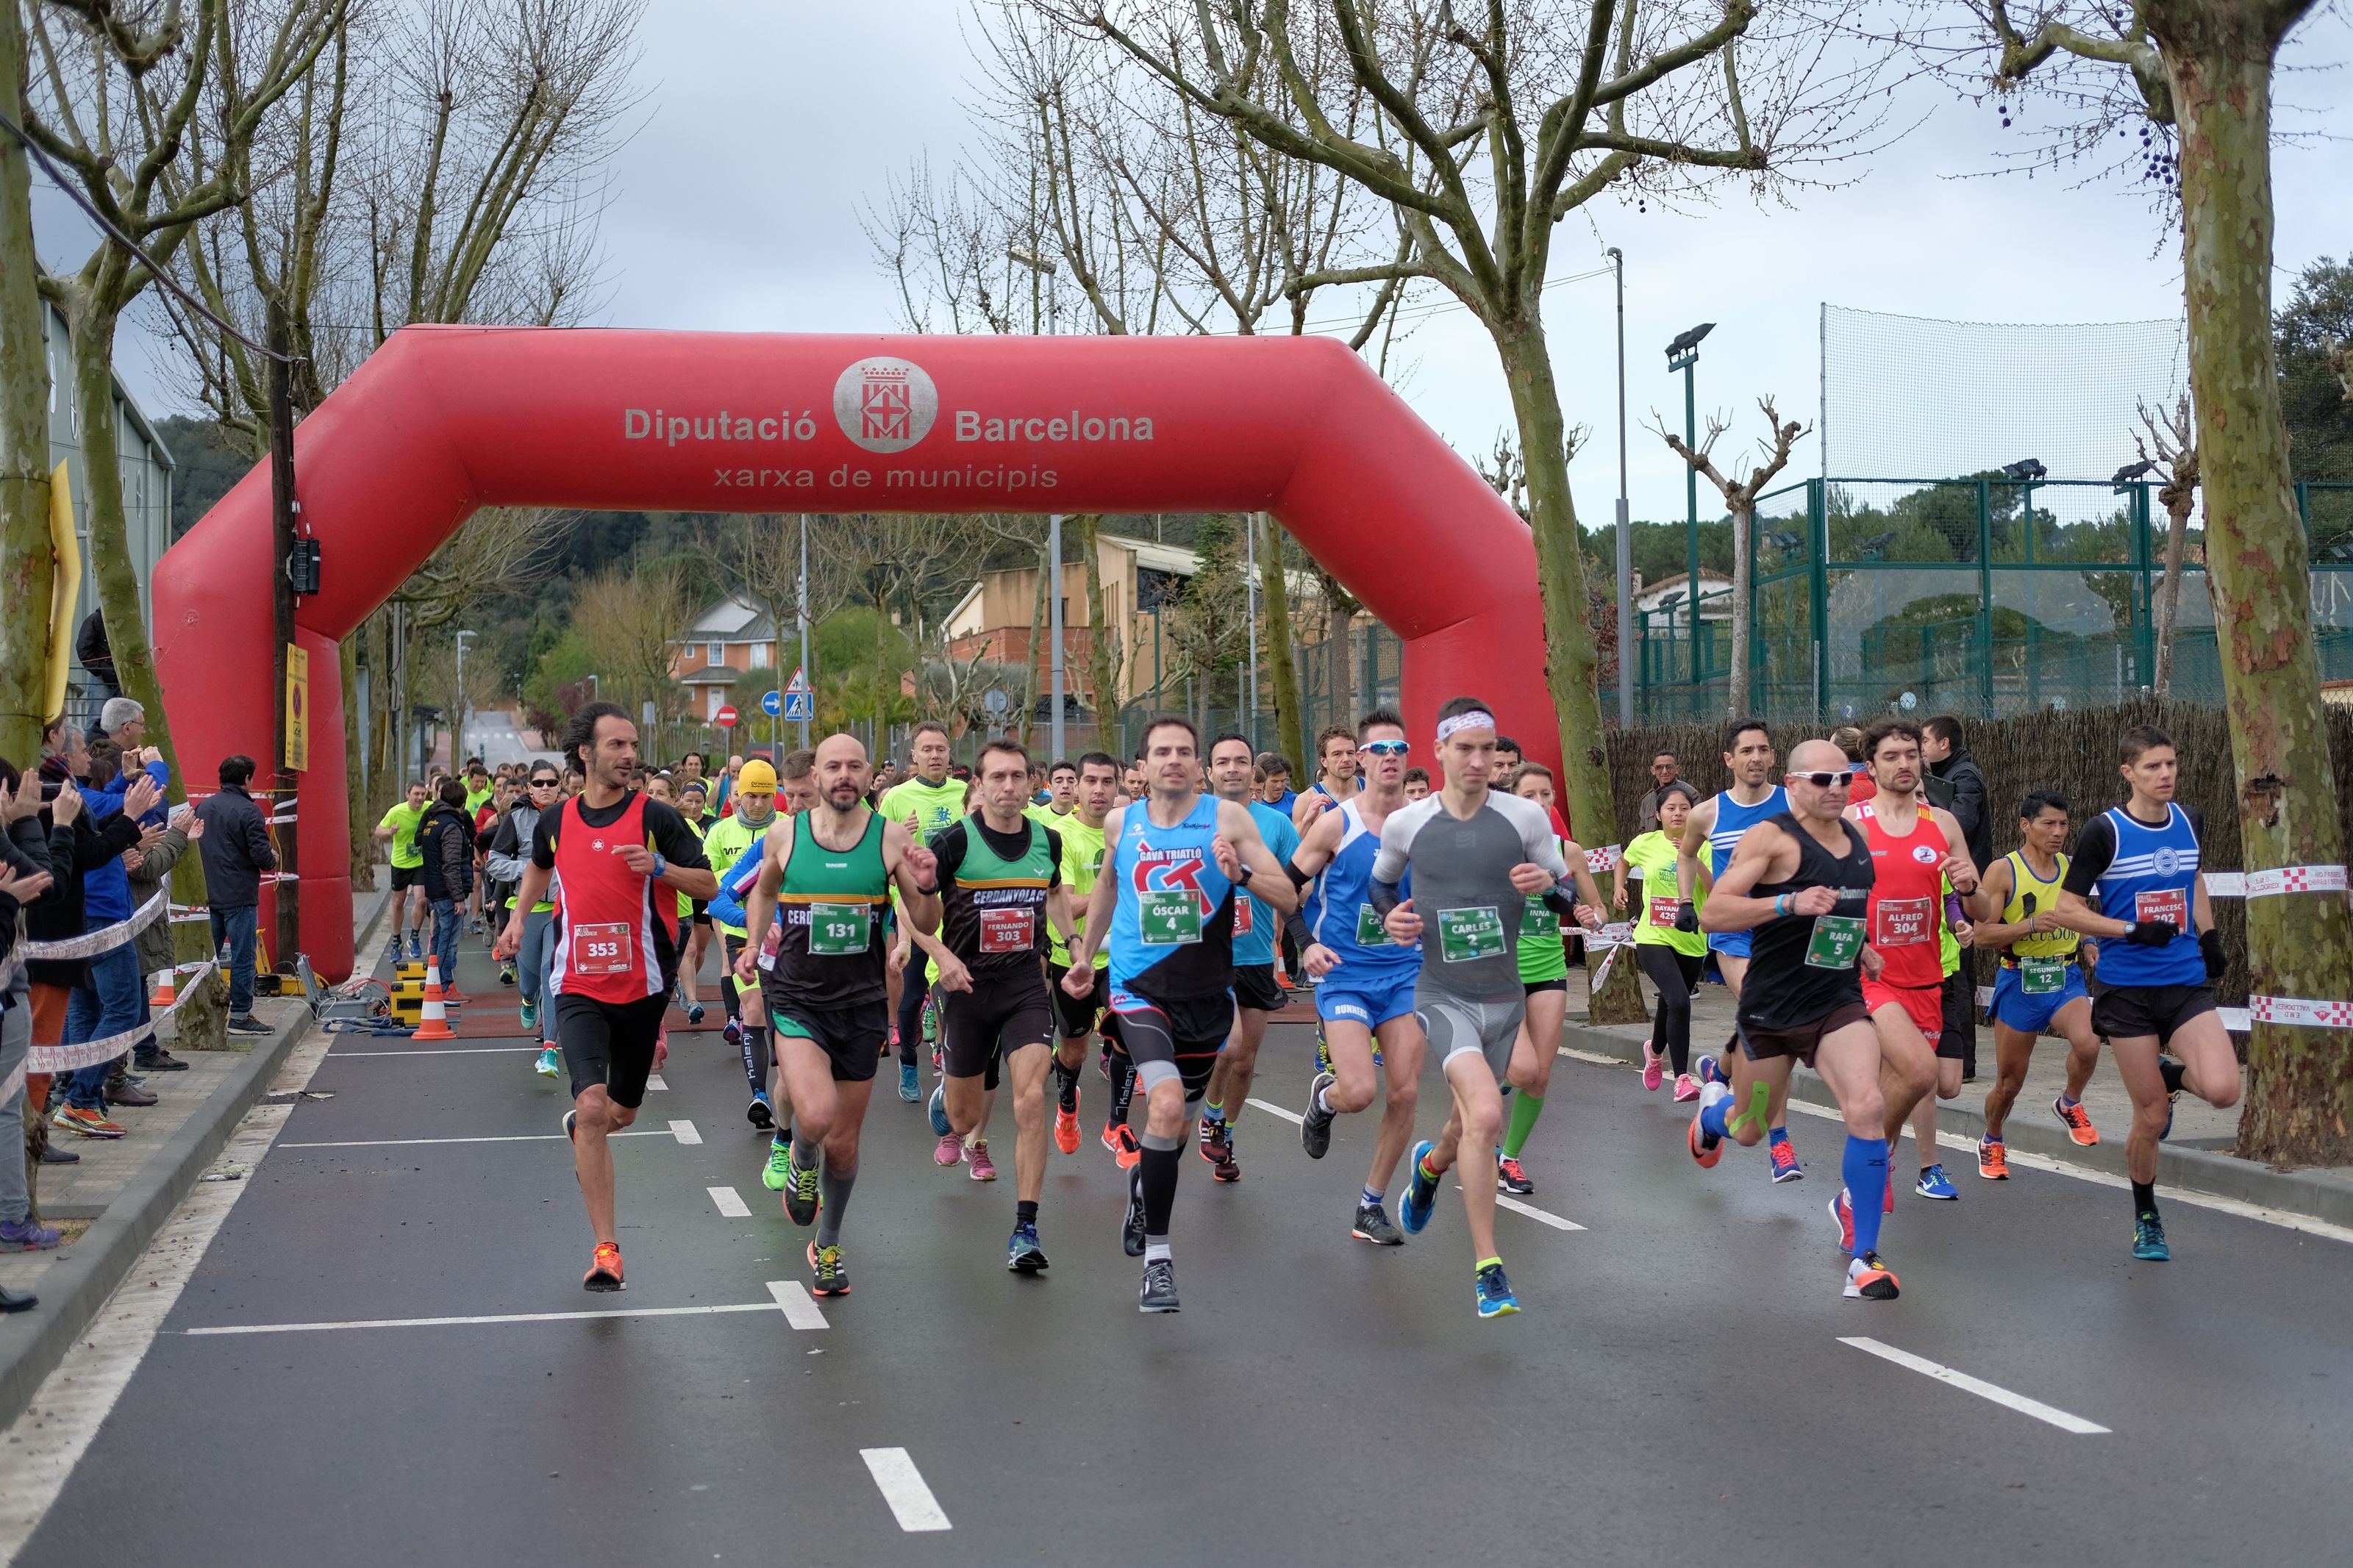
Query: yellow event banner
[{"x": 297, "y": 709}]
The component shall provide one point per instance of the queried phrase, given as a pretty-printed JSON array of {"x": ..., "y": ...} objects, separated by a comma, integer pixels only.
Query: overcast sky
[{"x": 766, "y": 127}]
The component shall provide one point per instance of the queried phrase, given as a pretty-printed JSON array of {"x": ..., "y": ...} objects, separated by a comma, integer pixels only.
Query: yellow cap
[{"x": 758, "y": 775}]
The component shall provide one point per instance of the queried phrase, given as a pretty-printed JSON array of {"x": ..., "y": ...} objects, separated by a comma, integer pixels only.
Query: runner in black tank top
[{"x": 1800, "y": 881}]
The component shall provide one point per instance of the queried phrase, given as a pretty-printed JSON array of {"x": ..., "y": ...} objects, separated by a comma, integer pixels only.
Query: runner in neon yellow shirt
[
  {"x": 925, "y": 803},
  {"x": 399, "y": 826}
]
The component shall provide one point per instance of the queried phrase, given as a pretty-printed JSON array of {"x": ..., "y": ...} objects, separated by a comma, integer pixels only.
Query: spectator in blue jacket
[
  {"x": 236, "y": 850},
  {"x": 445, "y": 839}
]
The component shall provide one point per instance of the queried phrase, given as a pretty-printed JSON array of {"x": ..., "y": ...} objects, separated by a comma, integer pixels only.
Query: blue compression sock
[
  {"x": 1711, "y": 1118},
  {"x": 1777, "y": 1134},
  {"x": 1373, "y": 1196},
  {"x": 1865, "y": 1168}
]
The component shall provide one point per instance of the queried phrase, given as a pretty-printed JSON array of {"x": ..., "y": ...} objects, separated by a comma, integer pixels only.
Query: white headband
[{"x": 1477, "y": 718}]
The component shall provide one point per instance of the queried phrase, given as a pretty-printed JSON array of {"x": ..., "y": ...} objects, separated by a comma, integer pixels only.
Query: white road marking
[
  {"x": 731, "y": 1202},
  {"x": 1290, "y": 1116},
  {"x": 2057, "y": 1167},
  {"x": 684, "y": 1131},
  {"x": 903, "y": 1488},
  {"x": 455, "y": 1051},
  {"x": 1982, "y": 1389},
  {"x": 657, "y": 1084},
  {"x": 1596, "y": 1057},
  {"x": 714, "y": 1310},
  {"x": 800, "y": 1311},
  {"x": 1504, "y": 1200},
  {"x": 689, "y": 1136},
  {"x": 49, "y": 1438}
]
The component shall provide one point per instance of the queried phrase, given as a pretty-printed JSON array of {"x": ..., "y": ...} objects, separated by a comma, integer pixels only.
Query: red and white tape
[
  {"x": 2276, "y": 881},
  {"x": 105, "y": 939},
  {"x": 90, "y": 1053}
]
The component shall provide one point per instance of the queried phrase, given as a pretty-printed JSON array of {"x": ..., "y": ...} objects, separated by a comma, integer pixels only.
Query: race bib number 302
[{"x": 2163, "y": 904}]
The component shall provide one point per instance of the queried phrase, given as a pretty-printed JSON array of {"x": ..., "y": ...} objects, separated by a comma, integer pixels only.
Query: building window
[
  {"x": 762, "y": 655},
  {"x": 714, "y": 653}
]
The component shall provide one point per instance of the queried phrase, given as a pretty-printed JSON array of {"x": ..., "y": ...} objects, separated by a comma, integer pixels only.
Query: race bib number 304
[{"x": 1903, "y": 922}]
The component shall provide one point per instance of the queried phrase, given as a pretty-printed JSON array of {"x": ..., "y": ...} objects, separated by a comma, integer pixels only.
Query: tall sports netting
[{"x": 1909, "y": 397}]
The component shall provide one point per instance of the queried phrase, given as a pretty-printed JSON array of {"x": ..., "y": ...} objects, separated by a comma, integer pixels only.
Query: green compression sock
[{"x": 1525, "y": 1108}]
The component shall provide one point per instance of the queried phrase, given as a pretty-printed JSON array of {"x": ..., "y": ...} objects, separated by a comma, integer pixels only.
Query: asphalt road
[{"x": 1676, "y": 1389}]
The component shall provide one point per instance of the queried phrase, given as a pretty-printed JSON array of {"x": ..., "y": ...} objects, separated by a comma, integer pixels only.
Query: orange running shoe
[
  {"x": 2078, "y": 1121},
  {"x": 1993, "y": 1160},
  {"x": 605, "y": 1269},
  {"x": 1870, "y": 1279},
  {"x": 1066, "y": 1130},
  {"x": 1120, "y": 1139},
  {"x": 89, "y": 1123}
]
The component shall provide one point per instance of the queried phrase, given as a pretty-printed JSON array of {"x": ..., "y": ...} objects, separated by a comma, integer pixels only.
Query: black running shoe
[
  {"x": 759, "y": 1113},
  {"x": 1216, "y": 1140},
  {"x": 800, "y": 1192},
  {"x": 1374, "y": 1225},
  {"x": 1131, "y": 1229},
  {"x": 1158, "y": 1293},
  {"x": 1510, "y": 1178},
  {"x": 1315, "y": 1127}
]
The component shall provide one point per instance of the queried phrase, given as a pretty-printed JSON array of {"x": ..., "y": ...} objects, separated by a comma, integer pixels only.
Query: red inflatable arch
[{"x": 442, "y": 420}]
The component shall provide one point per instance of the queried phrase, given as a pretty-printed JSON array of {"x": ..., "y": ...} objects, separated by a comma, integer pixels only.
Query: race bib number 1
[
  {"x": 1836, "y": 942},
  {"x": 1538, "y": 919}
]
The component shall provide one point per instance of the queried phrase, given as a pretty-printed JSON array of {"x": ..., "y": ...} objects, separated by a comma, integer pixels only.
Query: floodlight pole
[
  {"x": 1684, "y": 362},
  {"x": 1625, "y": 524},
  {"x": 804, "y": 619},
  {"x": 1054, "y": 621}
]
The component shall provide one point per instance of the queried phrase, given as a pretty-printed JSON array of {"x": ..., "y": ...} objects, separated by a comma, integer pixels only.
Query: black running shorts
[
  {"x": 851, "y": 1038},
  {"x": 1001, "y": 1012},
  {"x": 1186, "y": 1034},
  {"x": 1075, "y": 1016},
  {"x": 1254, "y": 988},
  {"x": 2137, "y": 1012},
  {"x": 609, "y": 1043}
]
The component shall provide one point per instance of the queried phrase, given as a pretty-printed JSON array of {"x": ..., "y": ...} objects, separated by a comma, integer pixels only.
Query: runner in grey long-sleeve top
[{"x": 1476, "y": 858}]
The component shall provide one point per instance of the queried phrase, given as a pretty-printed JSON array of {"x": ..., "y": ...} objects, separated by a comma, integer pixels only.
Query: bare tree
[
  {"x": 902, "y": 564},
  {"x": 27, "y": 567},
  {"x": 2175, "y": 440},
  {"x": 2196, "y": 75},
  {"x": 629, "y": 620},
  {"x": 1740, "y": 501},
  {"x": 1485, "y": 134}
]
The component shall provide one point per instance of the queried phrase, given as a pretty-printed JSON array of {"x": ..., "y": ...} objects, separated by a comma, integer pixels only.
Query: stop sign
[{"x": 724, "y": 718}]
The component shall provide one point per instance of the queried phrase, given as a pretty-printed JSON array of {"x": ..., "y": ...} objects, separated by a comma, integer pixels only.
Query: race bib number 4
[
  {"x": 1007, "y": 930},
  {"x": 1836, "y": 942},
  {"x": 1470, "y": 934},
  {"x": 1663, "y": 911},
  {"x": 840, "y": 930},
  {"x": 2163, "y": 904},
  {"x": 601, "y": 949},
  {"x": 1903, "y": 922},
  {"x": 1169, "y": 919}
]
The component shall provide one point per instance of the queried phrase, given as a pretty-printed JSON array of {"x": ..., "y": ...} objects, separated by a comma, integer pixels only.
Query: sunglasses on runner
[
  {"x": 1385, "y": 748},
  {"x": 1823, "y": 781},
  {"x": 543, "y": 783}
]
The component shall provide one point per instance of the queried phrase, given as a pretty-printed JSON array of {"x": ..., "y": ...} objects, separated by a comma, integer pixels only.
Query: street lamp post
[
  {"x": 1625, "y": 522},
  {"x": 804, "y": 620},
  {"x": 1054, "y": 616},
  {"x": 1682, "y": 355},
  {"x": 465, "y": 707}
]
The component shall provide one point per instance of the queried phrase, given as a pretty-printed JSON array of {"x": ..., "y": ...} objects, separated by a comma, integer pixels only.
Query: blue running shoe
[
  {"x": 910, "y": 1089},
  {"x": 1493, "y": 1293},
  {"x": 1420, "y": 1192},
  {"x": 939, "y": 1107},
  {"x": 2149, "y": 1240},
  {"x": 1934, "y": 1184},
  {"x": 548, "y": 1065},
  {"x": 527, "y": 1017},
  {"x": 1710, "y": 1071},
  {"x": 1022, "y": 1253},
  {"x": 760, "y": 1113}
]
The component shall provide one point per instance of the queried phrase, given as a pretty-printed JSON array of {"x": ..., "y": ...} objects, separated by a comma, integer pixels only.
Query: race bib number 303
[{"x": 1007, "y": 930}]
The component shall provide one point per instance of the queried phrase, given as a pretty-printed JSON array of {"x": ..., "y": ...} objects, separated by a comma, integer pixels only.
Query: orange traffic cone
[
  {"x": 435, "y": 1023},
  {"x": 166, "y": 997},
  {"x": 450, "y": 996}
]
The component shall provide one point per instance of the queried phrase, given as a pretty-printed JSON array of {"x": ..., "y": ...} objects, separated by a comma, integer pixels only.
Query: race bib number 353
[{"x": 601, "y": 949}]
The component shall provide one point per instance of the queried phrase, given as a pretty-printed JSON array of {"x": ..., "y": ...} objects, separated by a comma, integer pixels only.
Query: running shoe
[
  {"x": 2171, "y": 1071},
  {"x": 731, "y": 1032},
  {"x": 1066, "y": 1130},
  {"x": 1785, "y": 1162},
  {"x": 777, "y": 1172},
  {"x": 939, "y": 1107},
  {"x": 1842, "y": 1215},
  {"x": 605, "y": 1269},
  {"x": 1654, "y": 1068},
  {"x": 89, "y": 1123},
  {"x": 506, "y": 974},
  {"x": 1228, "y": 1170},
  {"x": 416, "y": 947},
  {"x": 548, "y": 1065},
  {"x": 760, "y": 1113},
  {"x": 1316, "y": 1126},
  {"x": 693, "y": 1013},
  {"x": 1121, "y": 1141},
  {"x": 1934, "y": 1183},
  {"x": 1022, "y": 1253},
  {"x": 951, "y": 1149},
  {"x": 828, "y": 1275},
  {"x": 1420, "y": 1192},
  {"x": 1214, "y": 1140},
  {"x": 27, "y": 1234},
  {"x": 572, "y": 1125},
  {"x": 1710, "y": 1071},
  {"x": 527, "y": 1017},
  {"x": 1510, "y": 1178},
  {"x": 984, "y": 1169},
  {"x": 1686, "y": 1087},
  {"x": 1868, "y": 1279},
  {"x": 2078, "y": 1121},
  {"x": 1704, "y": 1148},
  {"x": 1159, "y": 1291},
  {"x": 800, "y": 1190},
  {"x": 1131, "y": 1225},
  {"x": 2149, "y": 1240},
  {"x": 1322, "y": 1051},
  {"x": 910, "y": 1088},
  {"x": 1493, "y": 1292},
  {"x": 1993, "y": 1160},
  {"x": 1374, "y": 1225},
  {"x": 931, "y": 1020}
]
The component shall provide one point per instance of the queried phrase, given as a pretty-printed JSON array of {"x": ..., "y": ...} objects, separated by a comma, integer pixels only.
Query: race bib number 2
[{"x": 1466, "y": 934}]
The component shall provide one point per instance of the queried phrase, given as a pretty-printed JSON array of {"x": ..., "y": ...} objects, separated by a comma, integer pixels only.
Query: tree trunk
[
  {"x": 1105, "y": 641},
  {"x": 1274, "y": 593},
  {"x": 1743, "y": 514},
  {"x": 2299, "y": 1104},
  {"x": 27, "y": 571},
  {"x": 2169, "y": 605}
]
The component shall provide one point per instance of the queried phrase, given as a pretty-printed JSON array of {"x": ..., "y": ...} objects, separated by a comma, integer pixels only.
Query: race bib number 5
[
  {"x": 1836, "y": 942},
  {"x": 601, "y": 949}
]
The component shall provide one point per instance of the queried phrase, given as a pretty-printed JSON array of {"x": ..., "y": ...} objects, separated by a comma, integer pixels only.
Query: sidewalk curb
[
  {"x": 76, "y": 1288},
  {"x": 2325, "y": 1195}
]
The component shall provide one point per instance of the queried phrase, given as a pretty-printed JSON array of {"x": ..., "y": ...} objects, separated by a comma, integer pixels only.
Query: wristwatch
[
  {"x": 1244, "y": 879},
  {"x": 660, "y": 865}
]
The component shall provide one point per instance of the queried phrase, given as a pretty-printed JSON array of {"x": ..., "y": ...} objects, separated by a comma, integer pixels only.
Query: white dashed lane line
[
  {"x": 903, "y": 1489},
  {"x": 1967, "y": 1384},
  {"x": 730, "y": 1202}
]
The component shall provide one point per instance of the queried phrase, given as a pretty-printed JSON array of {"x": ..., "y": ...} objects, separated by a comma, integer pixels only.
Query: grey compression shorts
[{"x": 1456, "y": 1026}]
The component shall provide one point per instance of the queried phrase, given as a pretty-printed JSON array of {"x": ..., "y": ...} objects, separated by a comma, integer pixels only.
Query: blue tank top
[
  {"x": 1339, "y": 911},
  {"x": 2153, "y": 877},
  {"x": 1172, "y": 927},
  {"x": 1732, "y": 819}
]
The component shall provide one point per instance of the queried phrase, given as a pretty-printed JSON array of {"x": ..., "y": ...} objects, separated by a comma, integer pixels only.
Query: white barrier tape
[
  {"x": 105, "y": 939},
  {"x": 2275, "y": 881},
  {"x": 90, "y": 1053},
  {"x": 2293, "y": 1010},
  {"x": 1605, "y": 858},
  {"x": 1615, "y": 933}
]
